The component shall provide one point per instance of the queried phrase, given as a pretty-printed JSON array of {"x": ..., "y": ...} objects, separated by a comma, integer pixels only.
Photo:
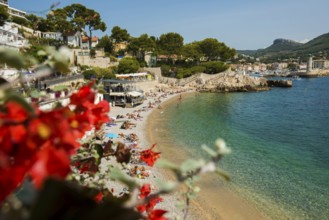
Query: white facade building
[
  {"x": 74, "y": 39},
  {"x": 10, "y": 38},
  {"x": 13, "y": 11},
  {"x": 52, "y": 35}
]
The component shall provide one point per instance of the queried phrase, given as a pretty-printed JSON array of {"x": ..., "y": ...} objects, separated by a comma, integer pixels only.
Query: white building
[
  {"x": 52, "y": 35},
  {"x": 13, "y": 11},
  {"x": 10, "y": 38},
  {"x": 320, "y": 64},
  {"x": 74, "y": 39}
]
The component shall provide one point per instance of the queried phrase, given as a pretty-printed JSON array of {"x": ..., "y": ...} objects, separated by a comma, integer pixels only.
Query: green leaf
[
  {"x": 162, "y": 163},
  {"x": 167, "y": 186},
  {"x": 98, "y": 151},
  {"x": 191, "y": 165},
  {"x": 12, "y": 58},
  {"x": 221, "y": 146},
  {"x": 180, "y": 205},
  {"x": 192, "y": 195},
  {"x": 59, "y": 60},
  {"x": 117, "y": 174},
  {"x": 61, "y": 66},
  {"x": 210, "y": 151},
  {"x": 196, "y": 189},
  {"x": 223, "y": 174},
  {"x": 42, "y": 53}
]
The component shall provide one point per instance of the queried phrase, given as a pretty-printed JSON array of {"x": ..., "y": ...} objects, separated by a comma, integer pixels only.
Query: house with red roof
[{"x": 85, "y": 42}]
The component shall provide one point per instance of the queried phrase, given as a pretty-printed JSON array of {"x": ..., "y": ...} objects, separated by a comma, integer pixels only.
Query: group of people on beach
[{"x": 129, "y": 141}]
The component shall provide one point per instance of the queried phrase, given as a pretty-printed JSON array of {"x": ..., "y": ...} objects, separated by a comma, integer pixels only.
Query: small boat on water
[{"x": 295, "y": 77}]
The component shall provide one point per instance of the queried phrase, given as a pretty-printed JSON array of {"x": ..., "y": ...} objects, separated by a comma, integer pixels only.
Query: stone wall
[
  {"x": 156, "y": 71},
  {"x": 102, "y": 62}
]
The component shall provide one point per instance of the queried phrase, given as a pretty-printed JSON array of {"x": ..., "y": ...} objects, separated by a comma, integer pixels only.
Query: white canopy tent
[{"x": 132, "y": 76}]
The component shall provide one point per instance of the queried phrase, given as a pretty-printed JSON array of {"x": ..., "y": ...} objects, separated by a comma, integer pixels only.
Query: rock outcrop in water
[
  {"x": 227, "y": 82},
  {"x": 279, "y": 83}
]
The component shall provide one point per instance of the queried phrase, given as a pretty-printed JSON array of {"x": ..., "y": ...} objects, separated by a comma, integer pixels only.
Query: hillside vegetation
[{"x": 283, "y": 48}]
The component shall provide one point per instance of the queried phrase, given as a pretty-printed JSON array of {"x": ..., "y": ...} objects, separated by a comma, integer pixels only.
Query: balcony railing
[
  {"x": 51, "y": 82},
  {"x": 4, "y": 2}
]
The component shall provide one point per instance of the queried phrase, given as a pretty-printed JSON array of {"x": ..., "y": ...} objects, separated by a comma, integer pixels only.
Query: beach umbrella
[{"x": 111, "y": 135}]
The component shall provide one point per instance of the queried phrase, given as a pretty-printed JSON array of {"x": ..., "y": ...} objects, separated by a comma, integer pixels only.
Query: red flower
[
  {"x": 149, "y": 156},
  {"x": 99, "y": 197},
  {"x": 98, "y": 114},
  {"x": 145, "y": 190},
  {"x": 157, "y": 215},
  {"x": 40, "y": 143},
  {"x": 148, "y": 207},
  {"x": 84, "y": 96},
  {"x": 11, "y": 131},
  {"x": 50, "y": 162},
  {"x": 10, "y": 179}
]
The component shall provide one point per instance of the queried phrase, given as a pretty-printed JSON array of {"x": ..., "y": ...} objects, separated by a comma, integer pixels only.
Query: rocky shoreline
[{"x": 233, "y": 82}]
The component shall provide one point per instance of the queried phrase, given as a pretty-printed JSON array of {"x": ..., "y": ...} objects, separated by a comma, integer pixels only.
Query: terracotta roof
[{"x": 85, "y": 39}]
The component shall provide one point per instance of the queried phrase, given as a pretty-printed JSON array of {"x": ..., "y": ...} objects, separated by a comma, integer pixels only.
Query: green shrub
[
  {"x": 198, "y": 69},
  {"x": 88, "y": 74},
  {"x": 214, "y": 67},
  {"x": 128, "y": 65},
  {"x": 113, "y": 58},
  {"x": 142, "y": 63},
  {"x": 105, "y": 73},
  {"x": 92, "y": 53},
  {"x": 165, "y": 70},
  {"x": 183, "y": 73}
]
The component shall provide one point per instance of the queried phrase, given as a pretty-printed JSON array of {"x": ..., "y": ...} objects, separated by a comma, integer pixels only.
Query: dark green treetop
[
  {"x": 170, "y": 43},
  {"x": 119, "y": 35}
]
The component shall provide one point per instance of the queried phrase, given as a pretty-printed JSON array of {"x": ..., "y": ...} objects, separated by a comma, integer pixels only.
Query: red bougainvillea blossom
[
  {"x": 149, "y": 156},
  {"x": 145, "y": 190},
  {"x": 152, "y": 214},
  {"x": 149, "y": 206},
  {"x": 40, "y": 143},
  {"x": 157, "y": 214},
  {"x": 99, "y": 197}
]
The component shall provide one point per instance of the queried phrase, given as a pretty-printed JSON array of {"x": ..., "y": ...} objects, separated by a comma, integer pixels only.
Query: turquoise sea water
[{"x": 280, "y": 143}]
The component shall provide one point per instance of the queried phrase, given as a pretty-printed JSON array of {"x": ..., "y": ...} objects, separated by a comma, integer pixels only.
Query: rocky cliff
[{"x": 228, "y": 82}]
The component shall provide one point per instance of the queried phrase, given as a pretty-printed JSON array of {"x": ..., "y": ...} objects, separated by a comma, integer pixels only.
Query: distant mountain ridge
[{"x": 284, "y": 48}]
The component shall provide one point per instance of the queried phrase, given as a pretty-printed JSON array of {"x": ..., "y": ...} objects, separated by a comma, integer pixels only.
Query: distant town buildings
[
  {"x": 320, "y": 64},
  {"x": 13, "y": 11}
]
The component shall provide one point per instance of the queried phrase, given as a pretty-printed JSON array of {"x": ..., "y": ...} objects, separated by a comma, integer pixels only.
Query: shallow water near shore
[{"x": 279, "y": 140}]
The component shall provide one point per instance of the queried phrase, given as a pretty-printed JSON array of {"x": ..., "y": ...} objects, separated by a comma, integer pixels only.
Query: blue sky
[{"x": 241, "y": 24}]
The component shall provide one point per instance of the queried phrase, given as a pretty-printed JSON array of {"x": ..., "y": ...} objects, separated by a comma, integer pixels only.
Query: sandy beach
[
  {"x": 213, "y": 202},
  {"x": 139, "y": 128}
]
